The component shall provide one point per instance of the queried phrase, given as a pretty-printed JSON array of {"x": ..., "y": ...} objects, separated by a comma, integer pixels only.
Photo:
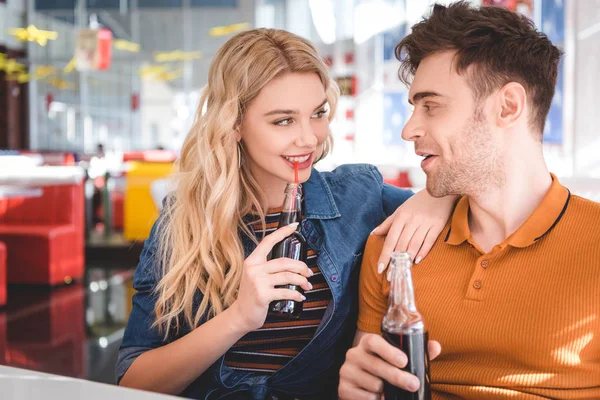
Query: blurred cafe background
[{"x": 97, "y": 96}]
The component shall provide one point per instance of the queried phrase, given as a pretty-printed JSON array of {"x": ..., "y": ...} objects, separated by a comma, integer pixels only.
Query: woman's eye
[
  {"x": 320, "y": 114},
  {"x": 283, "y": 122}
]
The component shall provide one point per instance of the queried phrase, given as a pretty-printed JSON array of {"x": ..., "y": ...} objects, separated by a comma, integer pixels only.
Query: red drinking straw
[{"x": 296, "y": 172}]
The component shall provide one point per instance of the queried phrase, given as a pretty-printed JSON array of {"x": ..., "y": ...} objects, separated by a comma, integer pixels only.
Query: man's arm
[{"x": 372, "y": 360}]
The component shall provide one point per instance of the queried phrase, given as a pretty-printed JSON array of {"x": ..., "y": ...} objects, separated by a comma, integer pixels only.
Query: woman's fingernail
[
  {"x": 310, "y": 286},
  {"x": 418, "y": 260},
  {"x": 294, "y": 224},
  {"x": 373, "y": 231},
  {"x": 303, "y": 297},
  {"x": 310, "y": 272},
  {"x": 380, "y": 268}
]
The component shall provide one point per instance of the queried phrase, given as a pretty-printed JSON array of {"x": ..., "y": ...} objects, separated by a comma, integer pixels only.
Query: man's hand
[{"x": 372, "y": 361}]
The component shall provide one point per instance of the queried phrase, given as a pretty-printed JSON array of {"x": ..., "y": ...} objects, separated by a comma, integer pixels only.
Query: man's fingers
[
  {"x": 359, "y": 378},
  {"x": 390, "y": 373},
  {"x": 377, "y": 345},
  {"x": 345, "y": 392},
  {"x": 434, "y": 349}
]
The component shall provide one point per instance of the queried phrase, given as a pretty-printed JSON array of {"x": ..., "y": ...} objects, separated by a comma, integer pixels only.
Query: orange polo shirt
[{"x": 520, "y": 322}]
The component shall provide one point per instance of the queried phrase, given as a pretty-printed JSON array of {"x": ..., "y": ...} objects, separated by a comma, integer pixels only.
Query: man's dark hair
[{"x": 501, "y": 46}]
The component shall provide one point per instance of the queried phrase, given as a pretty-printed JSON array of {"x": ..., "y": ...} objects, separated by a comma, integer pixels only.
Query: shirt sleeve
[
  {"x": 392, "y": 197},
  {"x": 140, "y": 334},
  {"x": 374, "y": 288}
]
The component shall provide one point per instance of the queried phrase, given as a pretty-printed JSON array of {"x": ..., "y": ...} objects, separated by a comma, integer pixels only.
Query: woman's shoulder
[{"x": 353, "y": 175}]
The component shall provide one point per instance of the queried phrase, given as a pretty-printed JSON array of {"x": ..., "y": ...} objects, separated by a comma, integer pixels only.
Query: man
[{"x": 511, "y": 289}]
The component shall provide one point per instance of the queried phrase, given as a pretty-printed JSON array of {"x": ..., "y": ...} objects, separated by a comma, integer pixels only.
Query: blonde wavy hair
[{"x": 200, "y": 246}]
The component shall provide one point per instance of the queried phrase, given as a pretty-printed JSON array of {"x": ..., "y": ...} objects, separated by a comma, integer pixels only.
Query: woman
[{"x": 204, "y": 284}]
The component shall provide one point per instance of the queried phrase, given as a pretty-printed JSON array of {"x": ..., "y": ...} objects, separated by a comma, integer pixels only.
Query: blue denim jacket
[{"x": 342, "y": 207}]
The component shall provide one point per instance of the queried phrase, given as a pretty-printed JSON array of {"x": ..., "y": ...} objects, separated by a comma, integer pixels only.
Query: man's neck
[{"x": 498, "y": 212}]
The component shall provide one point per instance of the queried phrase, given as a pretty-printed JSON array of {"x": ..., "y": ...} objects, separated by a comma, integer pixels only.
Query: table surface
[{"x": 21, "y": 384}]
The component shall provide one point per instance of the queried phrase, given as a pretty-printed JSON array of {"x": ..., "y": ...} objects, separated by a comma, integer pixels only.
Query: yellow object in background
[
  {"x": 33, "y": 34},
  {"x": 140, "y": 212},
  {"x": 229, "y": 29},
  {"x": 126, "y": 46}
]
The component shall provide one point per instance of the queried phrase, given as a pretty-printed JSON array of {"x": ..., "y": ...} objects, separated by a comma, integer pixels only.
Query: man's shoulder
[
  {"x": 373, "y": 249},
  {"x": 584, "y": 211},
  {"x": 581, "y": 223},
  {"x": 582, "y": 202}
]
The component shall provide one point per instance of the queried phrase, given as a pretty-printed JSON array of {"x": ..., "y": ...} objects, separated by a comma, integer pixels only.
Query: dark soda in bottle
[
  {"x": 293, "y": 246},
  {"x": 403, "y": 327}
]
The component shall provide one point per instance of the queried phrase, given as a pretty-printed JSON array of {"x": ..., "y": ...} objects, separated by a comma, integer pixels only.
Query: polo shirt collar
[{"x": 539, "y": 223}]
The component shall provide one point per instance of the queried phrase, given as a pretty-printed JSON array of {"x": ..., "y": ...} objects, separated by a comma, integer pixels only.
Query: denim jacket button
[{"x": 334, "y": 278}]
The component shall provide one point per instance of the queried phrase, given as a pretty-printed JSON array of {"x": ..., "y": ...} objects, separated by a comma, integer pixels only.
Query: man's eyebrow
[{"x": 421, "y": 95}]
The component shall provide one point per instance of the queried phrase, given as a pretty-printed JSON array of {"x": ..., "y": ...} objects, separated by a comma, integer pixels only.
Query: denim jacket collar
[
  {"x": 319, "y": 202},
  {"x": 318, "y": 199}
]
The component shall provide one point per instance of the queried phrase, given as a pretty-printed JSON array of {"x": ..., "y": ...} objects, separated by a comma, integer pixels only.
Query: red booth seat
[
  {"x": 44, "y": 235},
  {"x": 2, "y": 274},
  {"x": 118, "y": 200}
]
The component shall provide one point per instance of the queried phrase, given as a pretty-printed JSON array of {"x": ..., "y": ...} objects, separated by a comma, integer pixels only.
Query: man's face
[{"x": 451, "y": 130}]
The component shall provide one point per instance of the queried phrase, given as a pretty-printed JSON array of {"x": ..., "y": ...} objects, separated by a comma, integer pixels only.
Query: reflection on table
[{"x": 73, "y": 330}]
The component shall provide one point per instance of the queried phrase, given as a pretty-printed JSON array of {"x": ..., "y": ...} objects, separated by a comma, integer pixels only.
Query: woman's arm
[
  {"x": 171, "y": 368},
  {"x": 415, "y": 225}
]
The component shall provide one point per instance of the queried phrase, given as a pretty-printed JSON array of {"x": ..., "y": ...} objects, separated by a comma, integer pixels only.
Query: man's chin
[{"x": 435, "y": 190}]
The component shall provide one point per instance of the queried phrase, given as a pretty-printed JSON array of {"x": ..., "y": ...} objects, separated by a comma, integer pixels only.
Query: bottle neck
[
  {"x": 292, "y": 205},
  {"x": 402, "y": 315}
]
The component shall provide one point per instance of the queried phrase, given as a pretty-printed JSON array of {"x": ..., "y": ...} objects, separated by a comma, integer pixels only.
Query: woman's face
[{"x": 286, "y": 123}]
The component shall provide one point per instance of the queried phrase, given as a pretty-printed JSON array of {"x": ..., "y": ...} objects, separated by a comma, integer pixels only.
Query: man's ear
[{"x": 511, "y": 104}]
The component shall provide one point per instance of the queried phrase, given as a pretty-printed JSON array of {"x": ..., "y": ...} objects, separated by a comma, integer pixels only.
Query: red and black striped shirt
[{"x": 278, "y": 341}]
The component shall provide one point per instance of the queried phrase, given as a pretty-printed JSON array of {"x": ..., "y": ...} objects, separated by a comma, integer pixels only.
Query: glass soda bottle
[
  {"x": 293, "y": 246},
  {"x": 404, "y": 328}
]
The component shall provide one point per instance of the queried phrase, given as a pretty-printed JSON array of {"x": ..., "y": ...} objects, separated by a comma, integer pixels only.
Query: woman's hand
[
  {"x": 414, "y": 226},
  {"x": 260, "y": 278}
]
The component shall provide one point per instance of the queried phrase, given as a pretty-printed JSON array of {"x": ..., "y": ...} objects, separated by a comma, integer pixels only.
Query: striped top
[{"x": 269, "y": 348}]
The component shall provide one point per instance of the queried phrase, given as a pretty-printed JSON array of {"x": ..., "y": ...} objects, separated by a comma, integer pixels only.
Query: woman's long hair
[{"x": 199, "y": 243}]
